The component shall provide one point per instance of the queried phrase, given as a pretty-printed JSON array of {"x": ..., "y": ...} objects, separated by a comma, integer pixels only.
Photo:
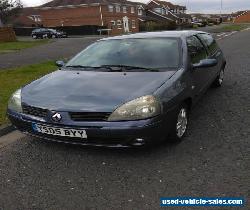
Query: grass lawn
[
  {"x": 19, "y": 45},
  {"x": 233, "y": 27},
  {"x": 13, "y": 79}
]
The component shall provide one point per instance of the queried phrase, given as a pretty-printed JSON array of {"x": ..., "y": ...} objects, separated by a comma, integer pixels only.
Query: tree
[{"x": 9, "y": 8}]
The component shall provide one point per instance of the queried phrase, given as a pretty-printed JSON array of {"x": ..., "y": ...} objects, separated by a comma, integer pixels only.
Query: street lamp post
[{"x": 221, "y": 7}]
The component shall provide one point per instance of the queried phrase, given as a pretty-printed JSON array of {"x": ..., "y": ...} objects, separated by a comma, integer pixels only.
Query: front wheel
[
  {"x": 219, "y": 79},
  {"x": 180, "y": 125}
]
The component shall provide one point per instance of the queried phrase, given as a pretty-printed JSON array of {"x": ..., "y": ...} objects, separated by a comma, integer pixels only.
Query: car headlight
[
  {"x": 15, "y": 102},
  {"x": 138, "y": 109}
]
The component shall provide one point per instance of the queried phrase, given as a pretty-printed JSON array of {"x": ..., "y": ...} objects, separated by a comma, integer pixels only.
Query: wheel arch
[{"x": 189, "y": 102}]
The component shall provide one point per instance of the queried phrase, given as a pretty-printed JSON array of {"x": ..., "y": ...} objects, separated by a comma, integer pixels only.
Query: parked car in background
[
  {"x": 58, "y": 34},
  {"x": 123, "y": 91},
  {"x": 42, "y": 33},
  {"x": 199, "y": 24}
]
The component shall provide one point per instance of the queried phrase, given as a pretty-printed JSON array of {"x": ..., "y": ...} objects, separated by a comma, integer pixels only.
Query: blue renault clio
[{"x": 130, "y": 90}]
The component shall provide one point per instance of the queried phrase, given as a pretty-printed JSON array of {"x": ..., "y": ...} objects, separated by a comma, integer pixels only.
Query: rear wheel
[
  {"x": 219, "y": 79},
  {"x": 34, "y": 36},
  {"x": 180, "y": 125}
]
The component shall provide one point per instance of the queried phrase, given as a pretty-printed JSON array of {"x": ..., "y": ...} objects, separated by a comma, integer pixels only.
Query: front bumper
[{"x": 109, "y": 134}]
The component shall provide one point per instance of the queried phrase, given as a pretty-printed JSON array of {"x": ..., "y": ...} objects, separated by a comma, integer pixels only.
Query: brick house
[
  {"x": 119, "y": 16},
  {"x": 242, "y": 17},
  {"x": 168, "y": 11}
]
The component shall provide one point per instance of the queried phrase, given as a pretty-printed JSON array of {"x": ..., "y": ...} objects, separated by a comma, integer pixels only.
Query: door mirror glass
[
  {"x": 60, "y": 63},
  {"x": 206, "y": 63}
]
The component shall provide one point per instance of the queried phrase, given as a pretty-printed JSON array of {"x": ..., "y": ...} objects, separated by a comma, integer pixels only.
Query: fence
[{"x": 7, "y": 35}]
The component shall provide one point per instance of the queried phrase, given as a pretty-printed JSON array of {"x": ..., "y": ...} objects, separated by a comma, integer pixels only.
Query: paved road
[
  {"x": 213, "y": 160},
  {"x": 59, "y": 49}
]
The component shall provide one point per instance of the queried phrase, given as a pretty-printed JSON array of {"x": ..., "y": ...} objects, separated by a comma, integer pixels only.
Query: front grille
[
  {"x": 34, "y": 111},
  {"x": 89, "y": 116}
]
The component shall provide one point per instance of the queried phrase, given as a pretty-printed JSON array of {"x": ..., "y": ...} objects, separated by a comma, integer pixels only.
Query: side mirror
[
  {"x": 206, "y": 63},
  {"x": 60, "y": 64},
  {"x": 192, "y": 50}
]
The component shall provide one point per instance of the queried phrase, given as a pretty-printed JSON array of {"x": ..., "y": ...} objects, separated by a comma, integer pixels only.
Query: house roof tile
[
  {"x": 169, "y": 4},
  {"x": 57, "y": 3}
]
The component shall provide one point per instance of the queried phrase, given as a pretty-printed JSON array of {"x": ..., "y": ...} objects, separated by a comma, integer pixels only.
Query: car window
[
  {"x": 157, "y": 53},
  {"x": 209, "y": 41},
  {"x": 196, "y": 49}
]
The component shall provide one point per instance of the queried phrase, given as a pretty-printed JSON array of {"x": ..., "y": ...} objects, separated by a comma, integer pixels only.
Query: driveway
[
  {"x": 59, "y": 49},
  {"x": 213, "y": 160}
]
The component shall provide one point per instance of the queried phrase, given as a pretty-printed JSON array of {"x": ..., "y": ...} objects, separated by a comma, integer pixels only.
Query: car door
[
  {"x": 213, "y": 52},
  {"x": 196, "y": 53},
  {"x": 41, "y": 33}
]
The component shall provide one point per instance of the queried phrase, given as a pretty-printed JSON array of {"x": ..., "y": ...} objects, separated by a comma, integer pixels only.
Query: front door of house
[{"x": 125, "y": 24}]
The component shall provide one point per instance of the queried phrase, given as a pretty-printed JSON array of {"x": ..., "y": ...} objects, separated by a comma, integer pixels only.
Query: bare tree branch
[{"x": 9, "y": 8}]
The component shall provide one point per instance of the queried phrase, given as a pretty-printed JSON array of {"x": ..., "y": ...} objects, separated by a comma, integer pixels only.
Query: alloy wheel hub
[
  {"x": 182, "y": 121},
  {"x": 221, "y": 77}
]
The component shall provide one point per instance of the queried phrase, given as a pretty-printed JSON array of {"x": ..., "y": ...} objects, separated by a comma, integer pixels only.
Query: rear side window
[
  {"x": 196, "y": 49},
  {"x": 209, "y": 41}
]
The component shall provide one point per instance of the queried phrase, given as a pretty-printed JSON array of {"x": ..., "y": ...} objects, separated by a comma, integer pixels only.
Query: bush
[
  {"x": 186, "y": 26},
  {"x": 153, "y": 26}
]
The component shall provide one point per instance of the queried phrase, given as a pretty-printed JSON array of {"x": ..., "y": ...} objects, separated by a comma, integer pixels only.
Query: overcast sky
[{"x": 203, "y": 6}]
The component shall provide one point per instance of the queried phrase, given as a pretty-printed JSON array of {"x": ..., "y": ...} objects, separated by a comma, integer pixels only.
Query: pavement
[{"x": 212, "y": 161}]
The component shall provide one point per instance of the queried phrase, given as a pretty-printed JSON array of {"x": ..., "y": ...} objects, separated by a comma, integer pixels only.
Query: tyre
[
  {"x": 219, "y": 79},
  {"x": 45, "y": 36},
  {"x": 180, "y": 125},
  {"x": 34, "y": 36},
  {"x": 53, "y": 36}
]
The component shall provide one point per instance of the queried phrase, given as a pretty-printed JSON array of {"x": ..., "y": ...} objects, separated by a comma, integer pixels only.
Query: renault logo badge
[{"x": 56, "y": 117}]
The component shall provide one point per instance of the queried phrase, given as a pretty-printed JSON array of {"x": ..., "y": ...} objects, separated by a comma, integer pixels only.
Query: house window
[
  {"x": 133, "y": 24},
  {"x": 119, "y": 24},
  {"x": 132, "y": 10},
  {"x": 139, "y": 11},
  {"x": 158, "y": 10},
  {"x": 124, "y": 9},
  {"x": 163, "y": 11},
  {"x": 112, "y": 24},
  {"x": 36, "y": 18},
  {"x": 111, "y": 8},
  {"x": 118, "y": 8}
]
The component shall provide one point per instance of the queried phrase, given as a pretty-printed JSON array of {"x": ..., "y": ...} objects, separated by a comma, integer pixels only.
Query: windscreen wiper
[
  {"x": 114, "y": 68},
  {"x": 79, "y": 66},
  {"x": 126, "y": 67},
  {"x": 105, "y": 67}
]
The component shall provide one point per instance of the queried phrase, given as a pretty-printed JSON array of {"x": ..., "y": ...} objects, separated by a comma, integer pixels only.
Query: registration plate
[{"x": 56, "y": 131}]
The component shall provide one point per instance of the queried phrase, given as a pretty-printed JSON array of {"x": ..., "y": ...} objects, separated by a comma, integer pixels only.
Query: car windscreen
[{"x": 150, "y": 53}]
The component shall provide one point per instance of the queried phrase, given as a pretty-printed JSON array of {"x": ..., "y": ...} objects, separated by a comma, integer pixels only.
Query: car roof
[{"x": 161, "y": 34}]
